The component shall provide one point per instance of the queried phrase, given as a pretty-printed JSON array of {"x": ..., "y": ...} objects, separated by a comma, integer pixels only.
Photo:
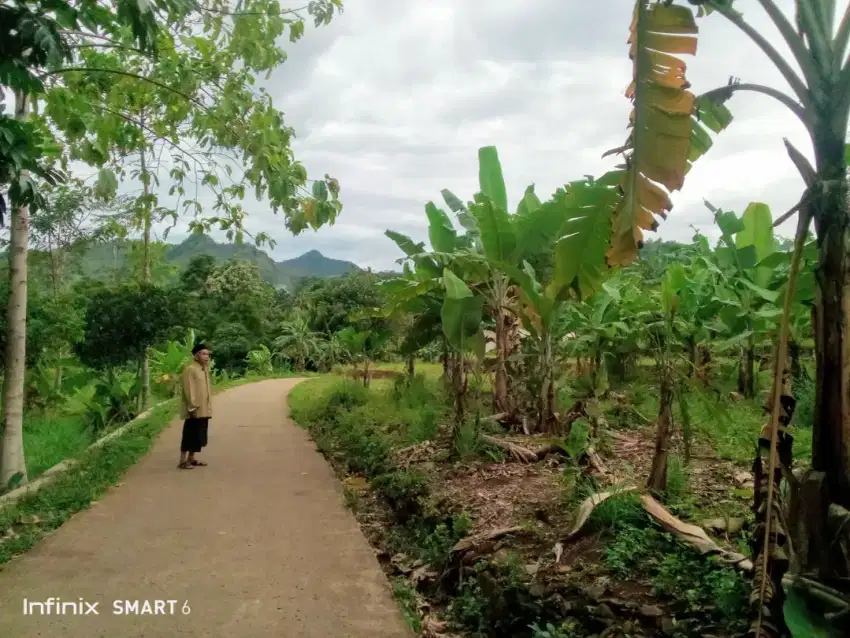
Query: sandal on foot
[
  {"x": 198, "y": 463},
  {"x": 185, "y": 465}
]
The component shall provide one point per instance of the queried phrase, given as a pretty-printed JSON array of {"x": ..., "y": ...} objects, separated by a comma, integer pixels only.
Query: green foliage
[
  {"x": 113, "y": 400},
  {"x": 568, "y": 629},
  {"x": 120, "y": 324},
  {"x": 404, "y": 490},
  {"x": 406, "y": 597},
  {"x": 676, "y": 570},
  {"x": 259, "y": 361}
]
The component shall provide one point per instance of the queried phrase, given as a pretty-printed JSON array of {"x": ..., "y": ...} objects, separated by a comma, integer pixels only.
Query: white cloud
[{"x": 395, "y": 98}]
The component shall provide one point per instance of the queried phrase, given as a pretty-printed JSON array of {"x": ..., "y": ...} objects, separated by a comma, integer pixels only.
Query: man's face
[{"x": 203, "y": 357}]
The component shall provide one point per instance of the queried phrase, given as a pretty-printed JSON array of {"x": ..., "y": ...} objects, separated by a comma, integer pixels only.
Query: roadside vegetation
[{"x": 548, "y": 425}]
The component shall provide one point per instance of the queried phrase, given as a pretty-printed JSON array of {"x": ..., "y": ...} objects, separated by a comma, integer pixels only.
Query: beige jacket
[{"x": 197, "y": 394}]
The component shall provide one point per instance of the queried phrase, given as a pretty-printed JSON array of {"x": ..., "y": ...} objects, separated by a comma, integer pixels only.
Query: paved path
[{"x": 259, "y": 543}]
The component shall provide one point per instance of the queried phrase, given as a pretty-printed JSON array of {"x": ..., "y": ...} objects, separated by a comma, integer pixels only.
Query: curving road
[{"x": 258, "y": 543}]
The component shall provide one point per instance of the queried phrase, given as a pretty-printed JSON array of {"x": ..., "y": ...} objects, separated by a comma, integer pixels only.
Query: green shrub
[
  {"x": 404, "y": 490},
  {"x": 343, "y": 397},
  {"x": 676, "y": 571},
  {"x": 365, "y": 450}
]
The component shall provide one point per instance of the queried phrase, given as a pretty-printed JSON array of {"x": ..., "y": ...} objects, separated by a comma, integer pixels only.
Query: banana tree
[
  {"x": 607, "y": 329},
  {"x": 363, "y": 345},
  {"x": 698, "y": 306},
  {"x": 582, "y": 212},
  {"x": 492, "y": 236},
  {"x": 499, "y": 239},
  {"x": 748, "y": 299},
  {"x": 817, "y": 70},
  {"x": 167, "y": 364}
]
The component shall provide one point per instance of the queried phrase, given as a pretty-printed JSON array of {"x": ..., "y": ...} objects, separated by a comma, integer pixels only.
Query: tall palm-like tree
[{"x": 297, "y": 342}]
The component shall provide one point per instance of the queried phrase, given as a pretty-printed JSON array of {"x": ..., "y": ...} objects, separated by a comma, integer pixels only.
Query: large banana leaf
[
  {"x": 498, "y": 237},
  {"x": 490, "y": 178},
  {"x": 440, "y": 230},
  {"x": 461, "y": 312},
  {"x": 668, "y": 123},
  {"x": 757, "y": 231},
  {"x": 407, "y": 245},
  {"x": 529, "y": 202},
  {"x": 537, "y": 225},
  {"x": 586, "y": 232}
]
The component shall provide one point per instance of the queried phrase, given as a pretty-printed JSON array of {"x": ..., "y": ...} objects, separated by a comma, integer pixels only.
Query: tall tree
[
  {"x": 817, "y": 70},
  {"x": 112, "y": 81}
]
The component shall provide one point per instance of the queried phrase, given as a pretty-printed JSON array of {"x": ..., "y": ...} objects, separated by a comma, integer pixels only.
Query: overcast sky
[{"x": 394, "y": 98}]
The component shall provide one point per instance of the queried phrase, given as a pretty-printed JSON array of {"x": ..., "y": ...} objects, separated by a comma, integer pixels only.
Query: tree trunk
[
  {"x": 693, "y": 354},
  {"x": 704, "y": 362},
  {"x": 459, "y": 385},
  {"x": 663, "y": 434},
  {"x": 746, "y": 375},
  {"x": 831, "y": 434},
  {"x": 831, "y": 320},
  {"x": 798, "y": 372},
  {"x": 547, "y": 409},
  {"x": 500, "y": 388},
  {"x": 146, "y": 278},
  {"x": 12, "y": 460},
  {"x": 411, "y": 366}
]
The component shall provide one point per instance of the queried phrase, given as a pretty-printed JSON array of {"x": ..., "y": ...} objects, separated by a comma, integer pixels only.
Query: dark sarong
[{"x": 194, "y": 435}]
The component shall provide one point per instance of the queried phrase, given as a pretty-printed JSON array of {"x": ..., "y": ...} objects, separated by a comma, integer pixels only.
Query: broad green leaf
[
  {"x": 107, "y": 183},
  {"x": 774, "y": 260},
  {"x": 461, "y": 319},
  {"x": 580, "y": 254},
  {"x": 440, "y": 230},
  {"x": 529, "y": 201},
  {"x": 747, "y": 257},
  {"x": 677, "y": 277},
  {"x": 802, "y": 620},
  {"x": 426, "y": 328},
  {"x": 726, "y": 344},
  {"x": 757, "y": 232},
  {"x": 455, "y": 287},
  {"x": 452, "y": 201},
  {"x": 320, "y": 190},
  {"x": 404, "y": 242},
  {"x": 490, "y": 178},
  {"x": 498, "y": 236},
  {"x": 764, "y": 293},
  {"x": 729, "y": 224}
]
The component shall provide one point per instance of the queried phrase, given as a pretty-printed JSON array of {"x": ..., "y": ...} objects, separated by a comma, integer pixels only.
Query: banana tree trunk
[
  {"x": 547, "y": 409},
  {"x": 831, "y": 434},
  {"x": 12, "y": 460},
  {"x": 746, "y": 374},
  {"x": 663, "y": 433},
  {"x": 500, "y": 389}
]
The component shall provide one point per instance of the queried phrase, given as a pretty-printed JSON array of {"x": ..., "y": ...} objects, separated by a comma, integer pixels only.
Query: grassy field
[{"x": 51, "y": 438}]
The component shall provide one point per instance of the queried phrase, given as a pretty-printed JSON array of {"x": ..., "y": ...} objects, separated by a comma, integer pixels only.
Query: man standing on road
[{"x": 196, "y": 407}]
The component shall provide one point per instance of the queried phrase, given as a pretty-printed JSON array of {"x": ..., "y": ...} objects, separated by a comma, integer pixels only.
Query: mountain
[
  {"x": 315, "y": 264},
  {"x": 102, "y": 259}
]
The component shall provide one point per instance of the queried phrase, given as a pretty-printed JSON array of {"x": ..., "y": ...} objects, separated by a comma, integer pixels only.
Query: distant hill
[{"x": 101, "y": 259}]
